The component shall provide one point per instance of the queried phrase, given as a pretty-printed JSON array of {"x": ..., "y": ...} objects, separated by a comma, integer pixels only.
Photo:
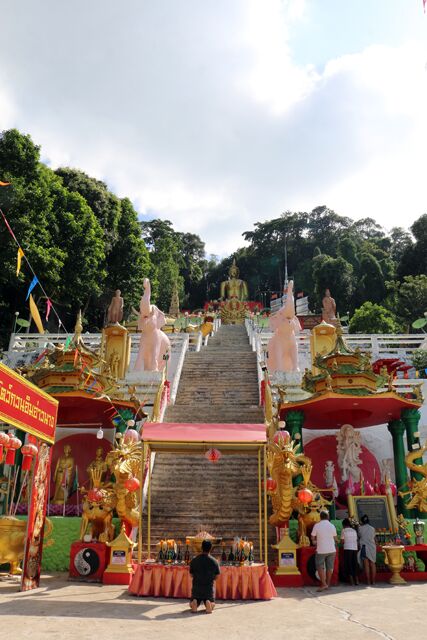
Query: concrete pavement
[{"x": 65, "y": 610}]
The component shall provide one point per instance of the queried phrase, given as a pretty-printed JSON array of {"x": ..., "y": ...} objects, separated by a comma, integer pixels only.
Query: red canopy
[{"x": 200, "y": 433}]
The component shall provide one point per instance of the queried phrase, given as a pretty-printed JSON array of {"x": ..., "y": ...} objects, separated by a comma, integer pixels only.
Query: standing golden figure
[{"x": 63, "y": 476}]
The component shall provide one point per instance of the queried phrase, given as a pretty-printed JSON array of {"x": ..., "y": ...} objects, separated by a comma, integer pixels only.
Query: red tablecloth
[{"x": 235, "y": 583}]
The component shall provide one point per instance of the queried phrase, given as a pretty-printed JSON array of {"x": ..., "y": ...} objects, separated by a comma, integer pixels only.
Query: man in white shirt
[{"x": 324, "y": 536}]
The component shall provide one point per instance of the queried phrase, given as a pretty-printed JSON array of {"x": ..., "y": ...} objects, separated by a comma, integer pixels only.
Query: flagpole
[
  {"x": 77, "y": 485},
  {"x": 65, "y": 492}
]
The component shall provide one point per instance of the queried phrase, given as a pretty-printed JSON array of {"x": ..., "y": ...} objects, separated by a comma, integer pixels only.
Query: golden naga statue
[
  {"x": 234, "y": 287},
  {"x": 125, "y": 463},
  {"x": 284, "y": 464},
  {"x": 418, "y": 489}
]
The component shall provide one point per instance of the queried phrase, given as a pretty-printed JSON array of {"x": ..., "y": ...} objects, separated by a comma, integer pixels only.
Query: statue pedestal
[
  {"x": 144, "y": 377},
  {"x": 291, "y": 383}
]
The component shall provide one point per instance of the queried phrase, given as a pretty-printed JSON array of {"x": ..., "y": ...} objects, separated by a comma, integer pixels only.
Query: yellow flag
[
  {"x": 18, "y": 260},
  {"x": 36, "y": 315}
]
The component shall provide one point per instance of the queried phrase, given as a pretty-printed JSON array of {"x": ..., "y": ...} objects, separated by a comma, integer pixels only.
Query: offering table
[{"x": 246, "y": 582}]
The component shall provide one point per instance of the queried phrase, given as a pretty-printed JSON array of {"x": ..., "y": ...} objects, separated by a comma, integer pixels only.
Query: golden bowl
[{"x": 196, "y": 543}]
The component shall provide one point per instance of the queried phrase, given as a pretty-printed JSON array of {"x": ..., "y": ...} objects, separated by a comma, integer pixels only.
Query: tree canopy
[{"x": 84, "y": 242}]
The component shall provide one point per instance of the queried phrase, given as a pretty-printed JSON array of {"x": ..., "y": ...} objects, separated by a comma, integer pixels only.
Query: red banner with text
[{"x": 25, "y": 406}]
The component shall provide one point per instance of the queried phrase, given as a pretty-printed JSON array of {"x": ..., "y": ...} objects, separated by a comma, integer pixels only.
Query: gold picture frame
[{"x": 355, "y": 510}]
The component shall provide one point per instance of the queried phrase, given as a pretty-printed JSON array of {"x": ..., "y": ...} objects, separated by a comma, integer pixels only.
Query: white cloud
[{"x": 198, "y": 112}]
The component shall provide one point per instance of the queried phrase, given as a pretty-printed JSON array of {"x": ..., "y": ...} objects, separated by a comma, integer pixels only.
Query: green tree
[
  {"x": 414, "y": 257},
  {"x": 412, "y": 299},
  {"x": 335, "y": 274},
  {"x": 373, "y": 318}
]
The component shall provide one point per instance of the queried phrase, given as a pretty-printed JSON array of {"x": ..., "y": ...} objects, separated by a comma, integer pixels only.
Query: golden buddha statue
[
  {"x": 98, "y": 465},
  {"x": 234, "y": 287},
  {"x": 63, "y": 476}
]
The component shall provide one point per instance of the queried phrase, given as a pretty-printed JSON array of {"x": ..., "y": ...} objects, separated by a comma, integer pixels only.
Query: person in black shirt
[{"x": 204, "y": 570}]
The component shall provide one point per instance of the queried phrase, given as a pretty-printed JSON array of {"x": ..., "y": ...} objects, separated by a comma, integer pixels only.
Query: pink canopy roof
[{"x": 184, "y": 432}]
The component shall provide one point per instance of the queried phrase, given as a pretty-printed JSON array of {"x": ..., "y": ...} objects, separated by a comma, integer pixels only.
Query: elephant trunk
[
  {"x": 289, "y": 308},
  {"x": 145, "y": 306}
]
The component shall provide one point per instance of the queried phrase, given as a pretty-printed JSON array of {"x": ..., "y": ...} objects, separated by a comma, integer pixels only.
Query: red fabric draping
[{"x": 235, "y": 583}]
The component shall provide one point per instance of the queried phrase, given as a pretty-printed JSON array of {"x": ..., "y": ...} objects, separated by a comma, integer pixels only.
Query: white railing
[{"x": 25, "y": 347}]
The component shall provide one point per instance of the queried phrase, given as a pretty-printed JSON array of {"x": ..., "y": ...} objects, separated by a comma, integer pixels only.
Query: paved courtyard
[{"x": 62, "y": 609}]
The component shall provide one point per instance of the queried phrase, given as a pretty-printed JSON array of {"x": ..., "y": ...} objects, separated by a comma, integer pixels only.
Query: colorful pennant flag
[
  {"x": 48, "y": 308},
  {"x": 424, "y": 5},
  {"x": 36, "y": 315},
  {"x": 4, "y": 184},
  {"x": 8, "y": 226},
  {"x": 18, "y": 260},
  {"x": 67, "y": 342},
  {"x": 34, "y": 282}
]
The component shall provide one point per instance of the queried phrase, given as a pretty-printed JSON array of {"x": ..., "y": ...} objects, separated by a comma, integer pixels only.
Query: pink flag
[
  {"x": 424, "y": 5},
  {"x": 48, "y": 307}
]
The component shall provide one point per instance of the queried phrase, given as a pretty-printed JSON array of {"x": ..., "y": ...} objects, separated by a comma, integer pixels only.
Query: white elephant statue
[
  {"x": 283, "y": 346},
  {"x": 154, "y": 344}
]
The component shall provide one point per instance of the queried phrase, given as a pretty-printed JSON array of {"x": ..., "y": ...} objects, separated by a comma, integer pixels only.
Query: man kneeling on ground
[
  {"x": 205, "y": 571},
  {"x": 324, "y": 535}
]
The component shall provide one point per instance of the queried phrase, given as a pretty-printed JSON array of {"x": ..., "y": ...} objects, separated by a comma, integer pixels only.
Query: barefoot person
[
  {"x": 350, "y": 544},
  {"x": 204, "y": 570},
  {"x": 324, "y": 536},
  {"x": 368, "y": 549}
]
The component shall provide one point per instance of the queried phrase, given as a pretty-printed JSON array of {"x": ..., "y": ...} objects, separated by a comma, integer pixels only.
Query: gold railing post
[
  {"x": 265, "y": 509},
  {"x": 260, "y": 505},
  {"x": 149, "y": 506},
  {"x": 141, "y": 500}
]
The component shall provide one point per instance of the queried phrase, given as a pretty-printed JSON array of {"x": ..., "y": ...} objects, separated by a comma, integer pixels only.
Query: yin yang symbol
[{"x": 86, "y": 562}]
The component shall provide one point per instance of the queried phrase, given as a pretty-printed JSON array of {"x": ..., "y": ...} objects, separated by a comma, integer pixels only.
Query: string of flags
[{"x": 35, "y": 314}]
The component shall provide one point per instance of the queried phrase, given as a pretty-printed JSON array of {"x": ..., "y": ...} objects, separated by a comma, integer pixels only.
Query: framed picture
[{"x": 379, "y": 509}]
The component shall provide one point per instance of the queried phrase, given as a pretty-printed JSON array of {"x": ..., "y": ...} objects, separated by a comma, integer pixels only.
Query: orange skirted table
[{"x": 250, "y": 582}]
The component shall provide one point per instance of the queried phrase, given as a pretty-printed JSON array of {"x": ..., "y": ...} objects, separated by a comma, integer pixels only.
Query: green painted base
[{"x": 56, "y": 553}]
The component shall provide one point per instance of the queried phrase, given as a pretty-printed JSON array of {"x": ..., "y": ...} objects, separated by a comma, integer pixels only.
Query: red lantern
[
  {"x": 4, "y": 441},
  {"x": 213, "y": 455},
  {"x": 131, "y": 436},
  {"x": 305, "y": 495},
  {"x": 271, "y": 485},
  {"x": 132, "y": 484},
  {"x": 13, "y": 444},
  {"x": 281, "y": 438},
  {"x": 29, "y": 451},
  {"x": 95, "y": 495}
]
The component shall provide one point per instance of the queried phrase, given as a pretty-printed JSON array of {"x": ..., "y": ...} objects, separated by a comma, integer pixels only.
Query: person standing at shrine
[
  {"x": 204, "y": 570},
  {"x": 368, "y": 549},
  {"x": 350, "y": 544},
  {"x": 324, "y": 536}
]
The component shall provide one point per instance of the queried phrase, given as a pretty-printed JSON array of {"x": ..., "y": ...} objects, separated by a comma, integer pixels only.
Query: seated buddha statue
[{"x": 234, "y": 287}]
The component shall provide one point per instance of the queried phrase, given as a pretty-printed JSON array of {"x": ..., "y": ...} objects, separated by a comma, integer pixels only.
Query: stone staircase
[{"x": 189, "y": 493}]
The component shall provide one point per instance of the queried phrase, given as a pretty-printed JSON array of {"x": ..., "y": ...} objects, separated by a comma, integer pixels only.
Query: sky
[{"x": 216, "y": 114}]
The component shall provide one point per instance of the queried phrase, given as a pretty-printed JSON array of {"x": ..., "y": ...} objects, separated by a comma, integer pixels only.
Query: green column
[
  {"x": 411, "y": 418},
  {"x": 294, "y": 423},
  {"x": 397, "y": 429}
]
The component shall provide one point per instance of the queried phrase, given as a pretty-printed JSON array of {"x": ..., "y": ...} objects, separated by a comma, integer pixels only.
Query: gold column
[
  {"x": 260, "y": 505},
  {"x": 149, "y": 506},
  {"x": 265, "y": 509},
  {"x": 141, "y": 499}
]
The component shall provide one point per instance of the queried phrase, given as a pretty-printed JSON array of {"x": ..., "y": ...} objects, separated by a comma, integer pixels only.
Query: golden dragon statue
[
  {"x": 99, "y": 503},
  {"x": 418, "y": 488}
]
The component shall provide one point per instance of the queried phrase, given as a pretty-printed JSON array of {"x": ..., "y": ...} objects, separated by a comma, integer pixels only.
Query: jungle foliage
[{"x": 84, "y": 242}]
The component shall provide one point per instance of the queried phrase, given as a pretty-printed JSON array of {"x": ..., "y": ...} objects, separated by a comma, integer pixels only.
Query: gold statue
[
  {"x": 234, "y": 287},
  {"x": 98, "y": 465},
  {"x": 98, "y": 507},
  {"x": 114, "y": 364},
  {"x": 233, "y": 312},
  {"x": 418, "y": 488},
  {"x": 284, "y": 464},
  {"x": 63, "y": 476}
]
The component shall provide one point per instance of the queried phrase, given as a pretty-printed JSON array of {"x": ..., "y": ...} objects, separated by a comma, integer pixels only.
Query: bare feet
[
  {"x": 193, "y": 606},
  {"x": 323, "y": 587},
  {"x": 209, "y": 606}
]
